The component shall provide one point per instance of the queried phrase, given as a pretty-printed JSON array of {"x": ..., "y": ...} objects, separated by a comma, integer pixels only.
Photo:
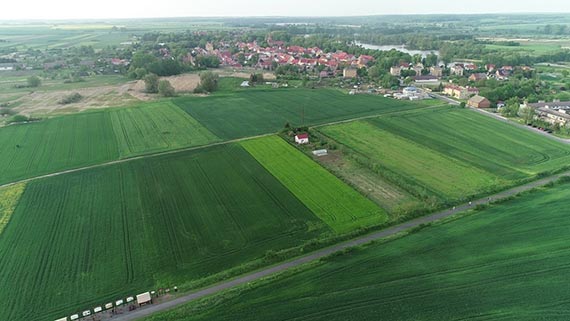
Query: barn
[
  {"x": 302, "y": 138},
  {"x": 478, "y": 102}
]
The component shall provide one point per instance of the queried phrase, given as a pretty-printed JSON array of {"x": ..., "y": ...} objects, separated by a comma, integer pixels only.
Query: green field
[
  {"x": 419, "y": 165},
  {"x": 509, "y": 262},
  {"x": 261, "y": 111},
  {"x": 157, "y": 127},
  {"x": 97, "y": 235},
  {"x": 495, "y": 146},
  {"x": 90, "y": 138},
  {"x": 56, "y": 144},
  {"x": 450, "y": 153},
  {"x": 9, "y": 197},
  {"x": 338, "y": 205}
]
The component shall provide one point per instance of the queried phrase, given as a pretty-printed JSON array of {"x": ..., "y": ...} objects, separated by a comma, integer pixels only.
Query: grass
[
  {"x": 435, "y": 172},
  {"x": 497, "y": 147},
  {"x": 498, "y": 264},
  {"x": 106, "y": 233},
  {"x": 9, "y": 197},
  {"x": 396, "y": 201},
  {"x": 260, "y": 111},
  {"x": 90, "y": 138},
  {"x": 338, "y": 205},
  {"x": 156, "y": 127},
  {"x": 56, "y": 144},
  {"x": 451, "y": 153}
]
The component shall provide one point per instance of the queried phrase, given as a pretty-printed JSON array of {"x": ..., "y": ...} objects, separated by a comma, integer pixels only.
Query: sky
[{"x": 107, "y": 9}]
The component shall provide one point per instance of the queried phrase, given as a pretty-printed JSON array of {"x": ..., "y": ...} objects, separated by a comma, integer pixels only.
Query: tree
[
  {"x": 151, "y": 83},
  {"x": 165, "y": 88},
  {"x": 511, "y": 108},
  {"x": 431, "y": 60},
  {"x": 527, "y": 114},
  {"x": 34, "y": 81},
  {"x": 209, "y": 81}
]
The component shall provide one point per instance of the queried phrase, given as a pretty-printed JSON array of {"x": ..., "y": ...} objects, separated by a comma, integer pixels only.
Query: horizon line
[{"x": 278, "y": 16}]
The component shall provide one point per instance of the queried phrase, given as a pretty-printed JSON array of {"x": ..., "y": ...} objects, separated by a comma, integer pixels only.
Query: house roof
[
  {"x": 302, "y": 136},
  {"x": 551, "y": 104},
  {"x": 477, "y": 99}
]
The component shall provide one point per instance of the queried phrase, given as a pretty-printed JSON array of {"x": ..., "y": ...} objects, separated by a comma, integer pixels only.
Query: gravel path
[{"x": 146, "y": 311}]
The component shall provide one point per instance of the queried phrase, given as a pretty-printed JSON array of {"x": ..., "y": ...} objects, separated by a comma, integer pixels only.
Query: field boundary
[
  {"x": 144, "y": 312},
  {"x": 184, "y": 149}
]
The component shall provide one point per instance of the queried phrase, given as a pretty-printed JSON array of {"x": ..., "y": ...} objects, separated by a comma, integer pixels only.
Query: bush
[
  {"x": 166, "y": 89},
  {"x": 70, "y": 99},
  {"x": 209, "y": 81},
  {"x": 151, "y": 83},
  {"x": 34, "y": 81},
  {"x": 19, "y": 119}
]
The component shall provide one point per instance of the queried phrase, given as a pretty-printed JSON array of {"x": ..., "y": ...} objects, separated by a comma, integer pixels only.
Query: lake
[{"x": 401, "y": 48}]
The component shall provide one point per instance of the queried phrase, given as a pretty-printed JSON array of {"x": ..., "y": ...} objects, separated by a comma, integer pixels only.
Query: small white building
[
  {"x": 320, "y": 152},
  {"x": 245, "y": 84},
  {"x": 302, "y": 138},
  {"x": 144, "y": 298}
]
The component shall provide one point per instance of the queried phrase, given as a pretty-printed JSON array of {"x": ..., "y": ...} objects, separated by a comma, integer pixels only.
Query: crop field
[
  {"x": 495, "y": 146},
  {"x": 261, "y": 111},
  {"x": 56, "y": 144},
  {"x": 423, "y": 167},
  {"x": 452, "y": 153},
  {"x": 9, "y": 197},
  {"x": 90, "y": 138},
  {"x": 156, "y": 127},
  {"x": 337, "y": 204},
  {"x": 93, "y": 236},
  {"x": 509, "y": 262}
]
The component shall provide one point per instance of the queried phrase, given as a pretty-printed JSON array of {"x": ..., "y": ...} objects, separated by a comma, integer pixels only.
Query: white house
[{"x": 302, "y": 138}]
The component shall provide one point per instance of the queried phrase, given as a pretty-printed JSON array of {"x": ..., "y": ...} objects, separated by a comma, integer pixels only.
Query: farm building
[
  {"x": 427, "y": 79},
  {"x": 478, "y": 102},
  {"x": 302, "y": 138}
]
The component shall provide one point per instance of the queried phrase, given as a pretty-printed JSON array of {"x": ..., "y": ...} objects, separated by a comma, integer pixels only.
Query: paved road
[
  {"x": 146, "y": 311},
  {"x": 444, "y": 98}
]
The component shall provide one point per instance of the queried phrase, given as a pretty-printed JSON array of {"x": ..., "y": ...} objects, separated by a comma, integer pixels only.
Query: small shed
[
  {"x": 62, "y": 319},
  {"x": 74, "y": 317},
  {"x": 86, "y": 313},
  {"x": 119, "y": 302},
  {"x": 108, "y": 306},
  {"x": 144, "y": 298},
  {"x": 130, "y": 299},
  {"x": 244, "y": 84},
  {"x": 320, "y": 152},
  {"x": 302, "y": 138},
  {"x": 97, "y": 309}
]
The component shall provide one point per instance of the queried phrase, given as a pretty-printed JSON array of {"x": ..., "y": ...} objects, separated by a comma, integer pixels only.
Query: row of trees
[{"x": 208, "y": 83}]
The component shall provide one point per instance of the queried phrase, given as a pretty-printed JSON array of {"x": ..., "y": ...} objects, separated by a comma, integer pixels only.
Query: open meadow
[
  {"x": 93, "y": 236},
  {"x": 448, "y": 153},
  {"x": 509, "y": 262}
]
